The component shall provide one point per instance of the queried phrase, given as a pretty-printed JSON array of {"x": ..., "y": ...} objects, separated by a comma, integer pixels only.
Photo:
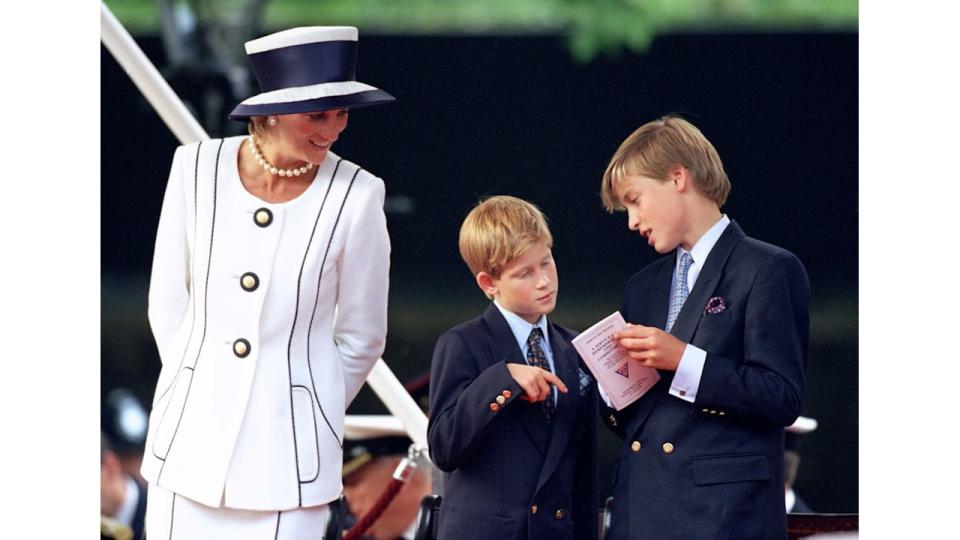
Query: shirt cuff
[
  {"x": 603, "y": 395},
  {"x": 686, "y": 381}
]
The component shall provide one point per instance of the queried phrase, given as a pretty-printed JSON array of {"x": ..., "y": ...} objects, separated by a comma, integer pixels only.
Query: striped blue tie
[{"x": 680, "y": 290}]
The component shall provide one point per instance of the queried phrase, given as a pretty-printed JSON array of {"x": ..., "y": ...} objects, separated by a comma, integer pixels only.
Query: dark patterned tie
[{"x": 536, "y": 358}]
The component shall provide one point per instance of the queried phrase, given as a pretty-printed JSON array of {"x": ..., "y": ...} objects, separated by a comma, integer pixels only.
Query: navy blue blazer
[
  {"x": 713, "y": 469},
  {"x": 510, "y": 475}
]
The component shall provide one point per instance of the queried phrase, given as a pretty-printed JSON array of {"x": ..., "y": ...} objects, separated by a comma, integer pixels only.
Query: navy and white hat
[{"x": 307, "y": 69}]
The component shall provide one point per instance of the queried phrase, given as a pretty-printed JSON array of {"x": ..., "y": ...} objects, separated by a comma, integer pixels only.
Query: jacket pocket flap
[{"x": 728, "y": 469}]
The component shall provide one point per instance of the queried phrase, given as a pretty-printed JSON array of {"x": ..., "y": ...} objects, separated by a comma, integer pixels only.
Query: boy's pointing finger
[{"x": 554, "y": 380}]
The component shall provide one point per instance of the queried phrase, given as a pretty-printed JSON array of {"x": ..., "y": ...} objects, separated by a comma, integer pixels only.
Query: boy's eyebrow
[{"x": 519, "y": 269}]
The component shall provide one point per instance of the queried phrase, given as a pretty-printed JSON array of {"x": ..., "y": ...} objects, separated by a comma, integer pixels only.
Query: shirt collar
[
  {"x": 709, "y": 239},
  {"x": 521, "y": 328}
]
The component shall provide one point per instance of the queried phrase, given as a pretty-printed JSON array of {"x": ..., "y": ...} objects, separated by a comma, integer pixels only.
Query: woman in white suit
[{"x": 268, "y": 302}]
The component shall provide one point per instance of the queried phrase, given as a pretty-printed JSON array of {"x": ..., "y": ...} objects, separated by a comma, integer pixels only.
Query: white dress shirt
[
  {"x": 686, "y": 382},
  {"x": 521, "y": 331}
]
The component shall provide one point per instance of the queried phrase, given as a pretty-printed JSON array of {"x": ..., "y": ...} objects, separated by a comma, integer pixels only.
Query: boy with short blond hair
[
  {"x": 725, "y": 318},
  {"x": 498, "y": 230},
  {"x": 656, "y": 147},
  {"x": 513, "y": 414}
]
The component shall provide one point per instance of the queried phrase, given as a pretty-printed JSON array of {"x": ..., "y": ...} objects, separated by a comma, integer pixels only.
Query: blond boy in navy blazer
[
  {"x": 513, "y": 415},
  {"x": 725, "y": 318}
]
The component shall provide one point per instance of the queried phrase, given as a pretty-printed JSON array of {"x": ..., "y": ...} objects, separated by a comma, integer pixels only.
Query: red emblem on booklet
[{"x": 605, "y": 357}]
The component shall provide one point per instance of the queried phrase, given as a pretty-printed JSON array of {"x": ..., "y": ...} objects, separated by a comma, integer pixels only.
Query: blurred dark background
[{"x": 483, "y": 115}]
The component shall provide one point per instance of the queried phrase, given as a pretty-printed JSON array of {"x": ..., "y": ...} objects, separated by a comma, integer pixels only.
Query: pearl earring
[{"x": 272, "y": 120}]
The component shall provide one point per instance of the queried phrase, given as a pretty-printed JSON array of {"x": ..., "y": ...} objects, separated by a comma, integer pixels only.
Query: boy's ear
[
  {"x": 486, "y": 283},
  {"x": 680, "y": 176}
]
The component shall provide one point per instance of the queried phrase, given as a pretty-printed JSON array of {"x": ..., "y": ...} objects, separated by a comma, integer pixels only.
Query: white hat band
[{"x": 303, "y": 93}]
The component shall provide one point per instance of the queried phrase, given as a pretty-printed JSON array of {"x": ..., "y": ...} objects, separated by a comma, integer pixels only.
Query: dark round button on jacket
[
  {"x": 241, "y": 348},
  {"x": 263, "y": 217},
  {"x": 249, "y": 282}
]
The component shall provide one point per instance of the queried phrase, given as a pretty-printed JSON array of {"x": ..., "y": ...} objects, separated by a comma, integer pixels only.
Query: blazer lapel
[
  {"x": 689, "y": 317},
  {"x": 656, "y": 303},
  {"x": 505, "y": 348},
  {"x": 566, "y": 364}
]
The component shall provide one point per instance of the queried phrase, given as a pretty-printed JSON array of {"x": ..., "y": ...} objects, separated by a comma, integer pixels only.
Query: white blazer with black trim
[{"x": 268, "y": 318}]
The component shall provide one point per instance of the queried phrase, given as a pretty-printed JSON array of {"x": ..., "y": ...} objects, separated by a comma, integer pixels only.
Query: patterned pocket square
[
  {"x": 585, "y": 380},
  {"x": 715, "y": 305}
]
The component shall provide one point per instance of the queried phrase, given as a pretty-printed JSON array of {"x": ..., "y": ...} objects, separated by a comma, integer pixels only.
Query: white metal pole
[
  {"x": 399, "y": 402},
  {"x": 151, "y": 84}
]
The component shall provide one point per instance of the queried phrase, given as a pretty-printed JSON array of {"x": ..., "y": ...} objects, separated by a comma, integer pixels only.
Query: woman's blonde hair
[
  {"x": 498, "y": 230},
  {"x": 657, "y": 146},
  {"x": 257, "y": 126}
]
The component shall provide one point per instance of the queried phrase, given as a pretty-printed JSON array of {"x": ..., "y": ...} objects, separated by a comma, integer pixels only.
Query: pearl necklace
[{"x": 296, "y": 171}]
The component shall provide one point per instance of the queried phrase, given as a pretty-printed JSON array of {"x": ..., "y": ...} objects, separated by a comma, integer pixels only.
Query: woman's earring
[{"x": 272, "y": 120}]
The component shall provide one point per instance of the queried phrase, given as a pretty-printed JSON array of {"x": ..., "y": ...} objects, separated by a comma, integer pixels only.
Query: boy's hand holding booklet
[{"x": 622, "y": 379}]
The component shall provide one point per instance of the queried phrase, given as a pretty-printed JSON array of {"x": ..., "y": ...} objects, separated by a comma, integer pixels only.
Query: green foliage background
[{"x": 592, "y": 27}]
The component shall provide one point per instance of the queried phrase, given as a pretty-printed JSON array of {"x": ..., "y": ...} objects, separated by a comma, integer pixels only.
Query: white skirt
[{"x": 174, "y": 517}]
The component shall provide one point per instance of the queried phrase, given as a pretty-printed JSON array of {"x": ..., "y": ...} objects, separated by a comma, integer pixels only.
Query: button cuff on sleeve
[{"x": 686, "y": 382}]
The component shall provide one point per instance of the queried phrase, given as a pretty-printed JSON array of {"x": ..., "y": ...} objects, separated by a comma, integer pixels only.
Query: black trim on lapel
[
  {"x": 303, "y": 263},
  {"x": 505, "y": 347},
  {"x": 689, "y": 317},
  {"x": 206, "y": 290},
  {"x": 566, "y": 365},
  {"x": 316, "y": 300}
]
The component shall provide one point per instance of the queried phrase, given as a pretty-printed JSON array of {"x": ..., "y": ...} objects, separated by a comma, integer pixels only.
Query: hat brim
[{"x": 356, "y": 100}]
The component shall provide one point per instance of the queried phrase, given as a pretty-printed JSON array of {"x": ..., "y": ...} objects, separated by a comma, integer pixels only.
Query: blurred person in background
[
  {"x": 123, "y": 420},
  {"x": 123, "y": 498},
  {"x": 123, "y": 493},
  {"x": 268, "y": 298},
  {"x": 370, "y": 457},
  {"x": 369, "y": 464}
]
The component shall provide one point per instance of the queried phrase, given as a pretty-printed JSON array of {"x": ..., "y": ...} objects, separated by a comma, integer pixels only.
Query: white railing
[
  {"x": 186, "y": 128},
  {"x": 148, "y": 80}
]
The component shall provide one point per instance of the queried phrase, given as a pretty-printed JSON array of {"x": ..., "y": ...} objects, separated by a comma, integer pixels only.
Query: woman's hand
[{"x": 534, "y": 381}]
